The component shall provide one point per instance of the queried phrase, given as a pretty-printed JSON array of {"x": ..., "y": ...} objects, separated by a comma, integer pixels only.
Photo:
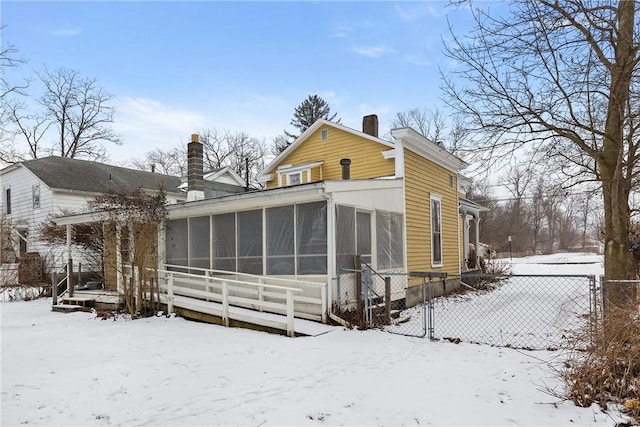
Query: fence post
[
  {"x": 358, "y": 292},
  {"x": 260, "y": 292},
  {"x": 170, "y": 293},
  {"x": 368, "y": 318},
  {"x": 323, "y": 302},
  {"x": 70, "y": 277},
  {"x": 290, "y": 314},
  {"x": 431, "y": 307},
  {"x": 387, "y": 300},
  {"x": 54, "y": 288},
  {"x": 425, "y": 326},
  {"x": 225, "y": 304}
]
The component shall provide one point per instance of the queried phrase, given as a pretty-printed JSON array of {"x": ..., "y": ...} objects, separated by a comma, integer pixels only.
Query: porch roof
[
  {"x": 468, "y": 206},
  {"x": 302, "y": 193}
]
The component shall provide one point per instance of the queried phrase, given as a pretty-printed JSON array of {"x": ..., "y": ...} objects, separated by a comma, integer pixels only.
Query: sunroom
[{"x": 311, "y": 232}]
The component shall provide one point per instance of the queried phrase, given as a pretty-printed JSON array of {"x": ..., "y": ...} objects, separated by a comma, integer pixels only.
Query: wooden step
[
  {"x": 68, "y": 308},
  {"x": 80, "y": 301}
]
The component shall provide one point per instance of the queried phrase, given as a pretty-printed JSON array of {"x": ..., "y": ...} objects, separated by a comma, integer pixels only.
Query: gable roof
[
  {"x": 319, "y": 123},
  {"x": 423, "y": 146},
  {"x": 62, "y": 173}
]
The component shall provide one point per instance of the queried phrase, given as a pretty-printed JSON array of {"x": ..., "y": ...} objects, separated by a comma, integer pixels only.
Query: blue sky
[{"x": 178, "y": 67}]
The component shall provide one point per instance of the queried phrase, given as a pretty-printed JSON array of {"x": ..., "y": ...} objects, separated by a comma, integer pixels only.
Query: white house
[{"x": 34, "y": 191}]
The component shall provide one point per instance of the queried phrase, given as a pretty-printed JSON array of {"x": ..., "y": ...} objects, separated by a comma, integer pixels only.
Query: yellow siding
[
  {"x": 366, "y": 157},
  {"x": 424, "y": 178}
]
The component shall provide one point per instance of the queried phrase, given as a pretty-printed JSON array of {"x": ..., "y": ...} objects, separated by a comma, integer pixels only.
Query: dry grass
[{"x": 608, "y": 371}]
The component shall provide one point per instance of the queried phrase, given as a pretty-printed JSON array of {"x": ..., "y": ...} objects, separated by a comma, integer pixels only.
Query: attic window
[
  {"x": 324, "y": 134},
  {"x": 294, "y": 178},
  {"x": 451, "y": 181}
]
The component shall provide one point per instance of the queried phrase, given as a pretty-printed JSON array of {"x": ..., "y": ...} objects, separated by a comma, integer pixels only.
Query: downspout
[
  {"x": 477, "y": 224},
  {"x": 331, "y": 249}
]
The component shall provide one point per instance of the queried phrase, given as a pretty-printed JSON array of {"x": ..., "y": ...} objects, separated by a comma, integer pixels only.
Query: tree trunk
[{"x": 615, "y": 186}]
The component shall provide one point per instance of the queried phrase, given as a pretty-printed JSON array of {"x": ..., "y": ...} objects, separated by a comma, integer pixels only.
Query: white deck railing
[{"x": 270, "y": 294}]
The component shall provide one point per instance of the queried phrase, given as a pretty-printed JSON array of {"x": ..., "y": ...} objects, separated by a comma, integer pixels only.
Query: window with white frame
[
  {"x": 324, "y": 134},
  {"x": 436, "y": 231},
  {"x": 294, "y": 178},
  {"x": 35, "y": 191},
  {"x": 7, "y": 200}
]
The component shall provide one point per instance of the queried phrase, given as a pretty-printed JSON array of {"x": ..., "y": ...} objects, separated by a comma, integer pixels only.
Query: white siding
[{"x": 25, "y": 216}]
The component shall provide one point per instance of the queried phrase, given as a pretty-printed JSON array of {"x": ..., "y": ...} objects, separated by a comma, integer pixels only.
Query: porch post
[
  {"x": 477, "y": 238},
  {"x": 69, "y": 263},
  {"x": 465, "y": 239},
  {"x": 119, "y": 271}
]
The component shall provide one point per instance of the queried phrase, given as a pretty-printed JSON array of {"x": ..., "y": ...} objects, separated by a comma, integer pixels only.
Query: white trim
[
  {"x": 426, "y": 148},
  {"x": 298, "y": 168},
  {"x": 389, "y": 154},
  {"x": 432, "y": 198},
  {"x": 306, "y": 134},
  {"x": 289, "y": 170}
]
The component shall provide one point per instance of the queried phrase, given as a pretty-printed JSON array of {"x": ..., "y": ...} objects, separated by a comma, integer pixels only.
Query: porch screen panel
[
  {"x": 250, "y": 242},
  {"x": 311, "y": 238},
  {"x": 345, "y": 237},
  {"x": 199, "y": 242},
  {"x": 224, "y": 242},
  {"x": 280, "y": 240},
  {"x": 176, "y": 242},
  {"x": 389, "y": 240},
  {"x": 363, "y": 235}
]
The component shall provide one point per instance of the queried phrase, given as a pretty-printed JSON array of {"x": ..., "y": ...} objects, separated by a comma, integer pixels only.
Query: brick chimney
[
  {"x": 195, "y": 183},
  {"x": 370, "y": 125}
]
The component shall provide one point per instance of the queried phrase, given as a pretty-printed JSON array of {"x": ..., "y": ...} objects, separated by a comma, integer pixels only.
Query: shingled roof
[{"x": 81, "y": 175}]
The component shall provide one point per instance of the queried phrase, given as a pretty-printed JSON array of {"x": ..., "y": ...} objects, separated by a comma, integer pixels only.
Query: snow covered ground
[
  {"x": 76, "y": 369},
  {"x": 539, "y": 307}
]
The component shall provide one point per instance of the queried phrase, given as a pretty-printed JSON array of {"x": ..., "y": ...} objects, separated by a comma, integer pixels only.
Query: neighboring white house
[{"x": 34, "y": 191}]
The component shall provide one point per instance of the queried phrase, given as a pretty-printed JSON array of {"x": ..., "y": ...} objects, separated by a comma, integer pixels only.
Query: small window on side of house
[
  {"x": 7, "y": 200},
  {"x": 451, "y": 181},
  {"x": 324, "y": 134},
  {"x": 35, "y": 190},
  {"x": 294, "y": 178}
]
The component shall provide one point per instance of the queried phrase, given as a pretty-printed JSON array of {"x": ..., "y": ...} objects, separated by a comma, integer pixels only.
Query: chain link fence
[{"x": 519, "y": 311}]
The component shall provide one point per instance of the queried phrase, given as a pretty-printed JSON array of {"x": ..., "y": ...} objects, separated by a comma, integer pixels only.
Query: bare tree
[
  {"x": 279, "y": 144},
  {"x": 235, "y": 150},
  {"x": 429, "y": 123},
  {"x": 559, "y": 71},
  {"x": 8, "y": 89},
  {"x": 135, "y": 218},
  {"x": 170, "y": 162},
  {"x": 433, "y": 124},
  {"x": 220, "y": 149},
  {"x": 76, "y": 109}
]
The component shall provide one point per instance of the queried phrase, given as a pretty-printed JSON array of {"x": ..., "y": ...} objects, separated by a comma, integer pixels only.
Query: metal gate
[{"x": 520, "y": 311}]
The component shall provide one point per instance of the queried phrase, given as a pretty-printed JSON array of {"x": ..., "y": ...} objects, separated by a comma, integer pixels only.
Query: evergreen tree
[{"x": 306, "y": 114}]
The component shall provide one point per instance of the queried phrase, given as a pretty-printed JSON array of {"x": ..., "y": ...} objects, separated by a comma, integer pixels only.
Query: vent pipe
[{"x": 346, "y": 168}]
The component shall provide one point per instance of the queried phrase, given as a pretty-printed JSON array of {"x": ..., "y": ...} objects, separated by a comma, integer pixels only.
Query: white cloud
[
  {"x": 417, "y": 13},
  {"x": 67, "y": 32},
  {"x": 418, "y": 60},
  {"x": 373, "y": 51},
  {"x": 340, "y": 32},
  {"x": 146, "y": 124}
]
